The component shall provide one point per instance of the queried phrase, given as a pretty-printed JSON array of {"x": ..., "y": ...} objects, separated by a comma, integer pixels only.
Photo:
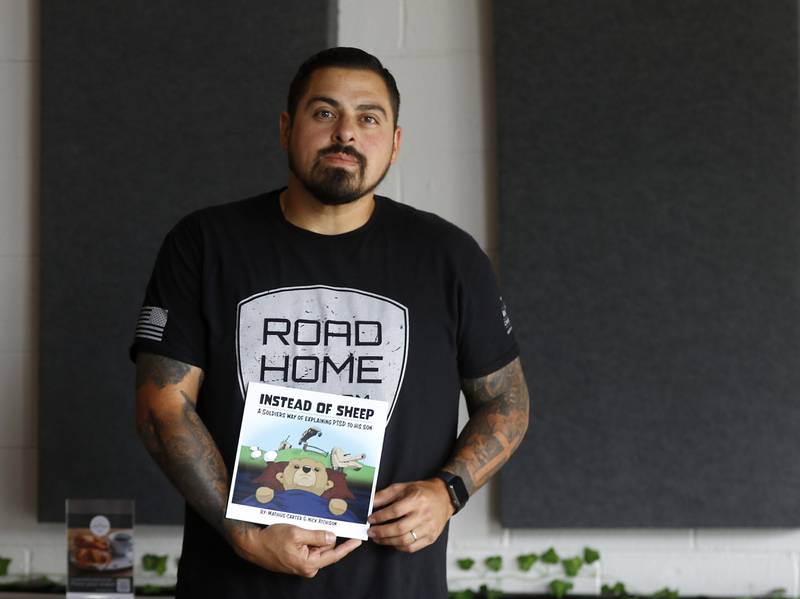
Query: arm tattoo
[
  {"x": 159, "y": 370},
  {"x": 179, "y": 441},
  {"x": 498, "y": 406}
]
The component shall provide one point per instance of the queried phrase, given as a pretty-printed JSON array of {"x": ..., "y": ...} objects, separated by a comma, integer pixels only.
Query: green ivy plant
[
  {"x": 490, "y": 593},
  {"x": 525, "y": 562},
  {"x": 571, "y": 566},
  {"x": 4, "y": 563},
  {"x": 550, "y": 556},
  {"x": 484, "y": 592},
  {"x": 617, "y": 591},
  {"x": 494, "y": 563},
  {"x": 560, "y": 588},
  {"x": 466, "y": 563},
  {"x": 154, "y": 563},
  {"x": 590, "y": 555}
]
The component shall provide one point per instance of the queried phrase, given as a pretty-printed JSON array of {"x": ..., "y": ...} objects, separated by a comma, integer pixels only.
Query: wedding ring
[{"x": 413, "y": 534}]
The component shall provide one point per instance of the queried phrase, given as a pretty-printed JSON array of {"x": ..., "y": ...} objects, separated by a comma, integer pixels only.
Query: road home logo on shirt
[{"x": 334, "y": 340}]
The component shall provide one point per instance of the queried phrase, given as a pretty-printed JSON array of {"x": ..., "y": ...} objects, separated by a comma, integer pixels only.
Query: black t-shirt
[{"x": 399, "y": 309}]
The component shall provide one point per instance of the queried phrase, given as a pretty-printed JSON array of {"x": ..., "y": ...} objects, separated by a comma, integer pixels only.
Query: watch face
[
  {"x": 456, "y": 489},
  {"x": 454, "y": 497},
  {"x": 460, "y": 490}
]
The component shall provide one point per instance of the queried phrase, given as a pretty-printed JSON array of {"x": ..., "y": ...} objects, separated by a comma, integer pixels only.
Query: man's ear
[
  {"x": 398, "y": 136},
  {"x": 328, "y": 485},
  {"x": 285, "y": 127},
  {"x": 279, "y": 476}
]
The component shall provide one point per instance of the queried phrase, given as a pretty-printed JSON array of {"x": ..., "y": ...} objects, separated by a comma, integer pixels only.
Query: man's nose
[
  {"x": 306, "y": 469},
  {"x": 344, "y": 132}
]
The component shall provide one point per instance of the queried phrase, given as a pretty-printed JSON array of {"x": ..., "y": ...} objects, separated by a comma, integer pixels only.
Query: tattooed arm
[
  {"x": 173, "y": 433},
  {"x": 498, "y": 408},
  {"x": 498, "y": 418}
]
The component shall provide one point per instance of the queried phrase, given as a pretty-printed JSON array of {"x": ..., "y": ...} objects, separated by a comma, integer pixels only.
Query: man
[{"x": 281, "y": 288}]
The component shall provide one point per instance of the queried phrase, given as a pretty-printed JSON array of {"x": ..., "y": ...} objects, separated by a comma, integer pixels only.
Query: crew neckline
[{"x": 276, "y": 207}]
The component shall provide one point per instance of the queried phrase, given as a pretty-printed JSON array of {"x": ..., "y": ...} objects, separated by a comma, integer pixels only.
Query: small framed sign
[{"x": 100, "y": 548}]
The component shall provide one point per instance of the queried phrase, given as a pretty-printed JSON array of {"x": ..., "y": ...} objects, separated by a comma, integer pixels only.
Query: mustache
[{"x": 342, "y": 149}]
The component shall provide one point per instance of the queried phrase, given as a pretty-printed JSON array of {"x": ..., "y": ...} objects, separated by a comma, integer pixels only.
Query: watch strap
[{"x": 456, "y": 488}]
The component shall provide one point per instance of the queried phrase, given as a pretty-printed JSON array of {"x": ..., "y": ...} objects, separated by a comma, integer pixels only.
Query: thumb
[{"x": 315, "y": 538}]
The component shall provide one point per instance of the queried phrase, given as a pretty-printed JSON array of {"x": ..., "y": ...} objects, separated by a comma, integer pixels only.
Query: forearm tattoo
[
  {"x": 178, "y": 440},
  {"x": 498, "y": 406}
]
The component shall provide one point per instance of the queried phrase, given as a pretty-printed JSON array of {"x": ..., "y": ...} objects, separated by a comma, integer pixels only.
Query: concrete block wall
[{"x": 440, "y": 52}]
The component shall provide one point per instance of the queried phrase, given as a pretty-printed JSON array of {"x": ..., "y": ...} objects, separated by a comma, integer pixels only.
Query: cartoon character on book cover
[{"x": 313, "y": 470}]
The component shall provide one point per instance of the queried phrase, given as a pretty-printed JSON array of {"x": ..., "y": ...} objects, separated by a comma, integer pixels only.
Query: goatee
[{"x": 334, "y": 186}]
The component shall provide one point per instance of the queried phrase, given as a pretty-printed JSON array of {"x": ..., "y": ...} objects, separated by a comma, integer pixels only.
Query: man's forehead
[{"x": 350, "y": 85}]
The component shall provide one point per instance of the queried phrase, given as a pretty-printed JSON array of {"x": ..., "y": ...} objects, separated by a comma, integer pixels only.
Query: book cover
[{"x": 307, "y": 458}]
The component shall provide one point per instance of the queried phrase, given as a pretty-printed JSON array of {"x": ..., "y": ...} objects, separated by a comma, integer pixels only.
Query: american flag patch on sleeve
[{"x": 151, "y": 323}]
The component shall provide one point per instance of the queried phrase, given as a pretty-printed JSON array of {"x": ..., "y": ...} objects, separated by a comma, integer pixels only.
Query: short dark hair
[{"x": 343, "y": 58}]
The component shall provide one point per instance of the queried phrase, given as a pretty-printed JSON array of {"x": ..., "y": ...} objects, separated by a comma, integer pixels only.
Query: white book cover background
[{"x": 307, "y": 458}]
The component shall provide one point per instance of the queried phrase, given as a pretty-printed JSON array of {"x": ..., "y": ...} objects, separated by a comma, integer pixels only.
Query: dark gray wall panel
[
  {"x": 650, "y": 232},
  {"x": 149, "y": 110}
]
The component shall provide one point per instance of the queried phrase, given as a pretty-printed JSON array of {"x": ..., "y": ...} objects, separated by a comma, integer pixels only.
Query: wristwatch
[{"x": 456, "y": 489}]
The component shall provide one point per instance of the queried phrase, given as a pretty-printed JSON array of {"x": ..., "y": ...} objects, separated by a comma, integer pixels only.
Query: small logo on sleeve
[
  {"x": 151, "y": 323},
  {"x": 506, "y": 318}
]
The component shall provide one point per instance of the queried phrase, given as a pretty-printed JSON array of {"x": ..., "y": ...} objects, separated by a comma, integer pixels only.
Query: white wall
[
  {"x": 440, "y": 52},
  {"x": 18, "y": 264}
]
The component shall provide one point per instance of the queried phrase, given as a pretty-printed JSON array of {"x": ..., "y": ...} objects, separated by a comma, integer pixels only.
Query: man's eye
[
  {"x": 369, "y": 119},
  {"x": 324, "y": 114}
]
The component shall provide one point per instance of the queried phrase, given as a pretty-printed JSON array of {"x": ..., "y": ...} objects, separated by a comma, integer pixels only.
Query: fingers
[
  {"x": 387, "y": 514},
  {"x": 401, "y": 517},
  {"x": 399, "y": 508},
  {"x": 313, "y": 538},
  {"x": 400, "y": 540},
  {"x": 420, "y": 506},
  {"x": 398, "y": 528},
  {"x": 333, "y": 555},
  {"x": 399, "y": 534},
  {"x": 406, "y": 541},
  {"x": 294, "y": 550},
  {"x": 388, "y": 495}
]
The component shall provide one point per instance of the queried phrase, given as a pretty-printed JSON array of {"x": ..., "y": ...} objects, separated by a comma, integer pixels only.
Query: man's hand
[
  {"x": 286, "y": 548},
  {"x": 423, "y": 507},
  {"x": 498, "y": 405},
  {"x": 166, "y": 394}
]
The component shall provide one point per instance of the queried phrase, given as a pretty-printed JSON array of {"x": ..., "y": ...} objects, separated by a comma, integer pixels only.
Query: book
[{"x": 307, "y": 458}]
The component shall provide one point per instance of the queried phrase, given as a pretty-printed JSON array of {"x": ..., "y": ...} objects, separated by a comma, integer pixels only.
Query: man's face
[{"x": 342, "y": 138}]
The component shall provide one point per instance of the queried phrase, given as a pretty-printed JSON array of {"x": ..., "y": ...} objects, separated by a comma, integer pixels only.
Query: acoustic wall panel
[
  {"x": 650, "y": 232},
  {"x": 149, "y": 110}
]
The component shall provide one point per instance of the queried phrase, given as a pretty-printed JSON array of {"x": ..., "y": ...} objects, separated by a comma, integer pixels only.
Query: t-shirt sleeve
[
  {"x": 171, "y": 319},
  {"x": 486, "y": 340}
]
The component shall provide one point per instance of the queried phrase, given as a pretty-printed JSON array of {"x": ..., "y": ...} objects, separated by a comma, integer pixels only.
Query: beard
[{"x": 332, "y": 185}]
